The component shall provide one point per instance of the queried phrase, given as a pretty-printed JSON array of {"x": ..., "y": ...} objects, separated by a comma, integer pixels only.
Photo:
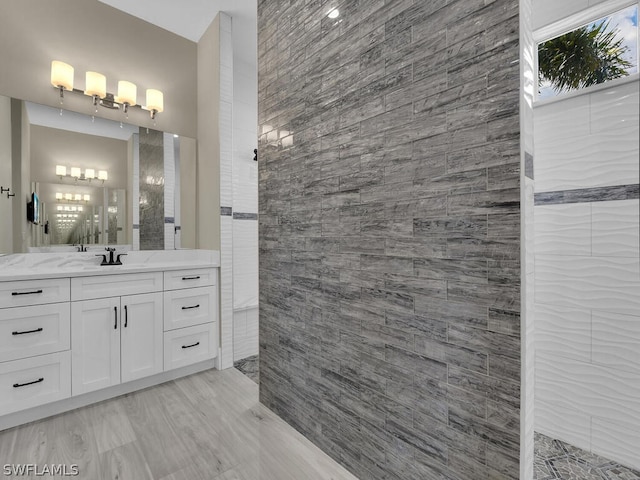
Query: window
[{"x": 594, "y": 53}]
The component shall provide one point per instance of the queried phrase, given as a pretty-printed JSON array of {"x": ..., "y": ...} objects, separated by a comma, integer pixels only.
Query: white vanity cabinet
[
  {"x": 190, "y": 317},
  {"x": 115, "y": 340},
  {"x": 100, "y": 332},
  {"x": 34, "y": 343}
]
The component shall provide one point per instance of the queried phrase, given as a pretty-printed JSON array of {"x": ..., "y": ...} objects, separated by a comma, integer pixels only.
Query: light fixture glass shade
[
  {"x": 96, "y": 84},
  {"x": 80, "y": 208},
  {"x": 59, "y": 207},
  {"x": 127, "y": 92},
  {"x": 68, "y": 196},
  {"x": 75, "y": 172},
  {"x": 103, "y": 175},
  {"x": 87, "y": 197},
  {"x": 77, "y": 197},
  {"x": 155, "y": 100},
  {"x": 58, "y": 197},
  {"x": 89, "y": 173},
  {"x": 61, "y": 170},
  {"x": 61, "y": 75}
]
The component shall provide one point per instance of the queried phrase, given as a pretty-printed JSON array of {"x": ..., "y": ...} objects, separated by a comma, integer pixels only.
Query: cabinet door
[
  {"x": 95, "y": 344},
  {"x": 141, "y": 336}
]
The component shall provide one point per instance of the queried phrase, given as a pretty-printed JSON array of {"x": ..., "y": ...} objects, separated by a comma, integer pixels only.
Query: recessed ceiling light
[{"x": 335, "y": 13}]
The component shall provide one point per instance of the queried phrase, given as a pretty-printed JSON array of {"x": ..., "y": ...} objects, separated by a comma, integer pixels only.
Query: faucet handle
[
  {"x": 118, "y": 261},
  {"x": 110, "y": 249}
]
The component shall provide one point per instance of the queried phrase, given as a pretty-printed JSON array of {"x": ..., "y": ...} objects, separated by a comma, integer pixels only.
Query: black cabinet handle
[
  {"x": 189, "y": 308},
  {"x": 18, "y": 385},
  {"x": 28, "y": 331},
  {"x": 26, "y": 293},
  {"x": 126, "y": 316},
  {"x": 115, "y": 311},
  {"x": 189, "y": 346},
  {"x": 192, "y": 278}
]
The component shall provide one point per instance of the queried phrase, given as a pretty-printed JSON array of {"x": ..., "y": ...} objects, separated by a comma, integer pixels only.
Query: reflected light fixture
[
  {"x": 77, "y": 174},
  {"x": 76, "y": 197},
  {"x": 333, "y": 13},
  {"x": 96, "y": 87}
]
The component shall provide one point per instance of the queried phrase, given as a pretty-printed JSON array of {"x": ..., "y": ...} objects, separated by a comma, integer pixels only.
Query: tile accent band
[
  {"x": 587, "y": 195},
  {"x": 528, "y": 165},
  {"x": 245, "y": 216},
  {"x": 226, "y": 211}
]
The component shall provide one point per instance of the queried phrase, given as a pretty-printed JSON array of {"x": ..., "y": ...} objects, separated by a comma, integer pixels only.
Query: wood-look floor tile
[
  {"x": 208, "y": 426},
  {"x": 124, "y": 462},
  {"x": 110, "y": 424}
]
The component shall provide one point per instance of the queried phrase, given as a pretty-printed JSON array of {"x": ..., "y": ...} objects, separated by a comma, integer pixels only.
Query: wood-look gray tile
[{"x": 406, "y": 152}]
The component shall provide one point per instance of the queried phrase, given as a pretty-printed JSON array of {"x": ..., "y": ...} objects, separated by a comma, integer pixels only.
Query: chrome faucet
[{"x": 111, "y": 261}]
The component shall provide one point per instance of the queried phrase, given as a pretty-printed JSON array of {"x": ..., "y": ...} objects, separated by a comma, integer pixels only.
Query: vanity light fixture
[
  {"x": 77, "y": 174},
  {"x": 96, "y": 88},
  {"x": 155, "y": 102},
  {"x": 62, "y": 77}
]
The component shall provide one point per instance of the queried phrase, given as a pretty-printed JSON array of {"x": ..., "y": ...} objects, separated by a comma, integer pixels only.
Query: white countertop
[{"x": 33, "y": 266}]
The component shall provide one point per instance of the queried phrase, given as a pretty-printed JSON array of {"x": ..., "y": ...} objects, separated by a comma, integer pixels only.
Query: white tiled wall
[
  {"x": 589, "y": 141},
  {"x": 587, "y": 275},
  {"x": 245, "y": 333},
  {"x": 226, "y": 192},
  {"x": 245, "y": 200},
  {"x": 549, "y": 11}
]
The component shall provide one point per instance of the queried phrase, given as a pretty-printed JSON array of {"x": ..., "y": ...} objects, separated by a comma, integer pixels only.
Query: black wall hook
[
  {"x": 255, "y": 154},
  {"x": 2, "y": 190}
]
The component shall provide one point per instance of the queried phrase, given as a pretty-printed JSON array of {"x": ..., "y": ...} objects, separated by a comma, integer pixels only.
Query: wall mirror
[{"x": 96, "y": 182}]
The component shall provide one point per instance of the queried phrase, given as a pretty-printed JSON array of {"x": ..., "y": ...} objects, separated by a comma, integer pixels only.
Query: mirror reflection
[{"x": 92, "y": 182}]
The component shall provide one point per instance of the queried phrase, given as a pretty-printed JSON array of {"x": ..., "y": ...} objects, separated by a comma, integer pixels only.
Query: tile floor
[
  {"x": 250, "y": 367},
  {"x": 207, "y": 426},
  {"x": 557, "y": 460}
]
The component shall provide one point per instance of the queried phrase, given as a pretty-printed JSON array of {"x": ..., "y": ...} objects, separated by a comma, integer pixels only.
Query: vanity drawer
[
  {"x": 194, "y": 277},
  {"x": 104, "y": 286},
  {"x": 34, "y": 381},
  {"x": 30, "y": 331},
  {"x": 189, "y": 345},
  {"x": 188, "y": 307},
  {"x": 34, "y": 292}
]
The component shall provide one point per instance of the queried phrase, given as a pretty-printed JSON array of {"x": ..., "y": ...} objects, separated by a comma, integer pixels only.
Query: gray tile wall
[
  {"x": 151, "y": 193},
  {"x": 389, "y": 232}
]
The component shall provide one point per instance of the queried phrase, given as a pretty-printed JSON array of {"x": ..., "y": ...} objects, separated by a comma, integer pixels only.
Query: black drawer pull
[
  {"x": 26, "y": 293},
  {"x": 192, "y": 278},
  {"x": 189, "y": 346},
  {"x": 189, "y": 308},
  {"x": 126, "y": 316},
  {"x": 115, "y": 311},
  {"x": 18, "y": 385},
  {"x": 28, "y": 331}
]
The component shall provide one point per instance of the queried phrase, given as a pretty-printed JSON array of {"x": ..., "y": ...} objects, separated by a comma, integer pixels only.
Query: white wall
[
  {"x": 587, "y": 267},
  {"x": 6, "y": 204}
]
